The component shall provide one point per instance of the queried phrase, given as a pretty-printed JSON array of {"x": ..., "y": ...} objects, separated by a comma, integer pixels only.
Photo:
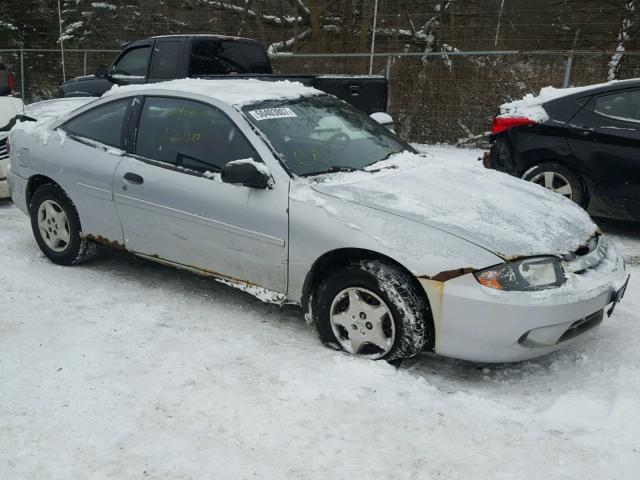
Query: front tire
[
  {"x": 56, "y": 227},
  {"x": 374, "y": 310},
  {"x": 559, "y": 179}
]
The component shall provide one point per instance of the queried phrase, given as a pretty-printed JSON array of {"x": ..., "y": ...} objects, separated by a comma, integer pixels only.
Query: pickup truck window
[
  {"x": 102, "y": 124},
  {"x": 133, "y": 63},
  {"x": 189, "y": 134},
  {"x": 164, "y": 63},
  {"x": 221, "y": 57},
  {"x": 316, "y": 135}
]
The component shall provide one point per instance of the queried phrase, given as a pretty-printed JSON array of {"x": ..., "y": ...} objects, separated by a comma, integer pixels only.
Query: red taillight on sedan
[{"x": 501, "y": 124}]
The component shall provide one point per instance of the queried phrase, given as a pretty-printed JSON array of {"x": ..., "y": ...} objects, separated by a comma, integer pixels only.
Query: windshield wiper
[
  {"x": 343, "y": 168},
  {"x": 335, "y": 169}
]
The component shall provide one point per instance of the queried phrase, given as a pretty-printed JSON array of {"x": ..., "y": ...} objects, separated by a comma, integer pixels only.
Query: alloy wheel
[
  {"x": 362, "y": 322},
  {"x": 54, "y": 226},
  {"x": 554, "y": 182}
]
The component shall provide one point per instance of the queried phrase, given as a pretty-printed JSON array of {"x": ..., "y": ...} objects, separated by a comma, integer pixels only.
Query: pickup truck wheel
[
  {"x": 56, "y": 227},
  {"x": 371, "y": 309}
]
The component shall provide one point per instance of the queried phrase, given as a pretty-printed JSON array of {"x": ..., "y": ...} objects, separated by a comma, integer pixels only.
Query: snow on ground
[{"x": 120, "y": 368}]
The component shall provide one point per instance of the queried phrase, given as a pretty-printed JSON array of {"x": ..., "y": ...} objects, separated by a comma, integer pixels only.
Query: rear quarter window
[
  {"x": 623, "y": 106},
  {"x": 218, "y": 57},
  {"x": 103, "y": 124}
]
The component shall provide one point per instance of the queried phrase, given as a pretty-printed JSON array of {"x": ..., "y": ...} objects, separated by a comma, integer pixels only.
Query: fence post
[
  {"x": 567, "y": 71},
  {"x": 22, "y": 71},
  {"x": 84, "y": 63},
  {"x": 387, "y": 68}
]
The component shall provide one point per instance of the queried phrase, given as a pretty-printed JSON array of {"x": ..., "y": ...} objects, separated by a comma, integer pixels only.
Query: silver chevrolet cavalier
[{"x": 296, "y": 197}]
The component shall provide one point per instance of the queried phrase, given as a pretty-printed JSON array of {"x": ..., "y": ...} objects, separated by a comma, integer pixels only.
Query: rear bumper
[
  {"x": 485, "y": 325},
  {"x": 18, "y": 188}
]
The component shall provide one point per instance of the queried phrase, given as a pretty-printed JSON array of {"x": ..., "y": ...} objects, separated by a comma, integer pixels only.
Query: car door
[
  {"x": 174, "y": 206},
  {"x": 166, "y": 61},
  {"x": 132, "y": 66},
  {"x": 606, "y": 137},
  {"x": 92, "y": 150}
]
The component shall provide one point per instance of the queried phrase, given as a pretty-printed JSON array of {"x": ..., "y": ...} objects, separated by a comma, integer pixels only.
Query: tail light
[
  {"x": 11, "y": 82},
  {"x": 501, "y": 124}
]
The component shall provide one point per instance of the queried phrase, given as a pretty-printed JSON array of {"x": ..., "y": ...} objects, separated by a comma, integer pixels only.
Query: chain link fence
[{"x": 438, "y": 97}]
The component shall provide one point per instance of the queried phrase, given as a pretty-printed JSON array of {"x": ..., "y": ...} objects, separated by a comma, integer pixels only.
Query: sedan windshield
[{"x": 322, "y": 134}]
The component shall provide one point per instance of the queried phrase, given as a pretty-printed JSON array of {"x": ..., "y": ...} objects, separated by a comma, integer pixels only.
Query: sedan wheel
[
  {"x": 362, "y": 322},
  {"x": 559, "y": 179},
  {"x": 554, "y": 182},
  {"x": 372, "y": 309},
  {"x": 54, "y": 225}
]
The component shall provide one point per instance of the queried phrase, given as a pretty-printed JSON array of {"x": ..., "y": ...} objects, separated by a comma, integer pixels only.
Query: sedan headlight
[{"x": 536, "y": 273}]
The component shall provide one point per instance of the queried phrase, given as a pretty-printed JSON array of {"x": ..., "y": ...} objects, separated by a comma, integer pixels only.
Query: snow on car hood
[{"x": 503, "y": 214}]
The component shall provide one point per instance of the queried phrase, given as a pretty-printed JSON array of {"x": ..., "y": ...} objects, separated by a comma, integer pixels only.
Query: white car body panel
[{"x": 438, "y": 224}]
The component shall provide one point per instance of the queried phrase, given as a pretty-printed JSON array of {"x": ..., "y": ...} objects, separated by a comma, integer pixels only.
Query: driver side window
[
  {"x": 133, "y": 63},
  {"x": 189, "y": 134}
]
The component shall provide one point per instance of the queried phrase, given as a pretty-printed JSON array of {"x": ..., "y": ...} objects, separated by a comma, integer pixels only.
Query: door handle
[
  {"x": 583, "y": 132},
  {"x": 354, "y": 90},
  {"x": 133, "y": 178}
]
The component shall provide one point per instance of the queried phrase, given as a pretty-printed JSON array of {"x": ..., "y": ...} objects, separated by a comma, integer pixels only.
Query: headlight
[{"x": 535, "y": 273}]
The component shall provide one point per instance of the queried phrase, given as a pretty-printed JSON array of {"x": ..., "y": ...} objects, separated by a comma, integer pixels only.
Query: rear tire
[
  {"x": 372, "y": 309},
  {"x": 559, "y": 179},
  {"x": 56, "y": 227}
]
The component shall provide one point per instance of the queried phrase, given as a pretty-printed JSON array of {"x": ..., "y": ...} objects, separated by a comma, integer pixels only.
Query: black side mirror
[
  {"x": 248, "y": 173},
  {"x": 102, "y": 71}
]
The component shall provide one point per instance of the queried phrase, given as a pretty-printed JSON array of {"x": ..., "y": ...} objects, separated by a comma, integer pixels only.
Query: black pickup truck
[{"x": 162, "y": 58}]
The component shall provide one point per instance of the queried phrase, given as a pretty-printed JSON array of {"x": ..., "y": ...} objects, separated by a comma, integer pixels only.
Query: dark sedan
[{"x": 583, "y": 143}]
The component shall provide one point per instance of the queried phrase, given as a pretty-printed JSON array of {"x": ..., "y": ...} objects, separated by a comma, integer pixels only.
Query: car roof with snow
[
  {"x": 532, "y": 106},
  {"x": 235, "y": 92},
  {"x": 202, "y": 35}
]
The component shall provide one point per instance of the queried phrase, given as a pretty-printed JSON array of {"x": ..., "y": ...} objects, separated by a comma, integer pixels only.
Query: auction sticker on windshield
[{"x": 268, "y": 113}]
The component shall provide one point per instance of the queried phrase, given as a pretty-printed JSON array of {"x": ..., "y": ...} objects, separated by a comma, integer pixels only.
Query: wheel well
[
  {"x": 343, "y": 257},
  {"x": 36, "y": 182}
]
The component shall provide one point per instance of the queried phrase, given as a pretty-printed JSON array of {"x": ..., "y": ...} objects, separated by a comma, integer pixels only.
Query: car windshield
[{"x": 316, "y": 135}]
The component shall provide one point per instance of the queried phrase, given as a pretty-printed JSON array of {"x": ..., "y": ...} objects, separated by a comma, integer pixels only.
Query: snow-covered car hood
[{"x": 505, "y": 215}]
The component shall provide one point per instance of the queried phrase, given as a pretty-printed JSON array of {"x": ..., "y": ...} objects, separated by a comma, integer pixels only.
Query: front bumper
[
  {"x": 4, "y": 185},
  {"x": 481, "y": 324}
]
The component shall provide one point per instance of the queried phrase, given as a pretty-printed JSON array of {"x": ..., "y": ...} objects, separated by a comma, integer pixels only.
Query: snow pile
[
  {"x": 531, "y": 106},
  {"x": 233, "y": 92},
  {"x": 135, "y": 370},
  {"x": 503, "y": 214}
]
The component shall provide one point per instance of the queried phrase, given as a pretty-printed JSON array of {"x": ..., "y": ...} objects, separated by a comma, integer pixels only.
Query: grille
[
  {"x": 582, "y": 325},
  {"x": 3, "y": 149},
  {"x": 587, "y": 256}
]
